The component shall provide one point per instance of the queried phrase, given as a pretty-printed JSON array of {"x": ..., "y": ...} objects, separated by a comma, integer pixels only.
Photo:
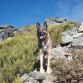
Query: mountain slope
[{"x": 18, "y": 54}]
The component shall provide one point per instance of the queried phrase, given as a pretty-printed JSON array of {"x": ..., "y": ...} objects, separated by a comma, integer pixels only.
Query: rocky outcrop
[
  {"x": 73, "y": 37},
  {"x": 81, "y": 28},
  {"x": 56, "y": 20},
  {"x": 35, "y": 77},
  {"x": 62, "y": 52},
  {"x": 71, "y": 40},
  {"x": 6, "y": 31},
  {"x": 68, "y": 36}
]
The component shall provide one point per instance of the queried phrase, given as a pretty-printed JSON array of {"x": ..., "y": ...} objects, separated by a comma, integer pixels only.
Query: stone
[
  {"x": 62, "y": 52},
  {"x": 33, "y": 77},
  {"x": 57, "y": 51},
  {"x": 77, "y": 35},
  {"x": 77, "y": 42},
  {"x": 66, "y": 39},
  {"x": 70, "y": 32},
  {"x": 6, "y": 31},
  {"x": 81, "y": 28},
  {"x": 3, "y": 35},
  {"x": 46, "y": 81},
  {"x": 55, "y": 20},
  {"x": 67, "y": 36},
  {"x": 24, "y": 77}
]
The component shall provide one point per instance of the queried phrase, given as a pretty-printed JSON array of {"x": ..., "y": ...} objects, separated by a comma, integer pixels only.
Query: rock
[
  {"x": 33, "y": 77},
  {"x": 55, "y": 20},
  {"x": 67, "y": 39},
  {"x": 78, "y": 42},
  {"x": 70, "y": 32},
  {"x": 62, "y": 52},
  {"x": 3, "y": 35},
  {"x": 31, "y": 80},
  {"x": 47, "y": 81},
  {"x": 10, "y": 30},
  {"x": 24, "y": 77},
  {"x": 1, "y": 39},
  {"x": 73, "y": 37},
  {"x": 70, "y": 39},
  {"x": 6, "y": 31},
  {"x": 67, "y": 36},
  {"x": 77, "y": 35},
  {"x": 81, "y": 28},
  {"x": 36, "y": 77},
  {"x": 57, "y": 51}
]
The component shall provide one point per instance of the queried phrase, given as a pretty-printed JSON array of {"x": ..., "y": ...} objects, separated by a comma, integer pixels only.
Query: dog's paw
[
  {"x": 49, "y": 71},
  {"x": 42, "y": 71}
]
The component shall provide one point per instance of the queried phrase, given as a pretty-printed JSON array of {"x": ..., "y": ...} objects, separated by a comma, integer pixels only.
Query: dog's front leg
[{"x": 41, "y": 62}]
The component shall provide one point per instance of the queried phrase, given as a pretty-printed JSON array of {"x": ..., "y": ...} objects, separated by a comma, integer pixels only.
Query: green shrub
[
  {"x": 17, "y": 55},
  {"x": 17, "y": 80}
]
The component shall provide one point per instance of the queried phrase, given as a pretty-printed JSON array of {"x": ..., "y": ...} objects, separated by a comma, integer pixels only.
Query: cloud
[
  {"x": 70, "y": 9},
  {"x": 61, "y": 8},
  {"x": 77, "y": 13}
]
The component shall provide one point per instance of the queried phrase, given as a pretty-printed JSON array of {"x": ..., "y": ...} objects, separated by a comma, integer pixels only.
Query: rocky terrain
[
  {"x": 56, "y": 20},
  {"x": 6, "y": 31},
  {"x": 72, "y": 40},
  {"x": 15, "y": 50},
  {"x": 36, "y": 77}
]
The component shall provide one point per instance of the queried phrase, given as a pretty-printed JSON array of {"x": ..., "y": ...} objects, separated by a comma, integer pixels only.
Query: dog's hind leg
[{"x": 49, "y": 69}]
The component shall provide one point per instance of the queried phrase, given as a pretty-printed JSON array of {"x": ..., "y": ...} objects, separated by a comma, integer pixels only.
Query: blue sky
[{"x": 24, "y": 12}]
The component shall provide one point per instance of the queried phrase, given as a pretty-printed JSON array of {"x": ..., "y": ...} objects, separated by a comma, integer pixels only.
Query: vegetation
[
  {"x": 17, "y": 80},
  {"x": 72, "y": 70},
  {"x": 56, "y": 30},
  {"x": 18, "y": 54}
]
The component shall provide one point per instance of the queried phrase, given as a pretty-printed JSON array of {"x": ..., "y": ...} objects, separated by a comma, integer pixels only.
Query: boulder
[
  {"x": 62, "y": 52},
  {"x": 77, "y": 35},
  {"x": 57, "y": 52},
  {"x": 33, "y": 77},
  {"x": 67, "y": 39},
  {"x": 24, "y": 77},
  {"x": 81, "y": 28},
  {"x": 73, "y": 37},
  {"x": 70, "y": 32},
  {"x": 47, "y": 81},
  {"x": 36, "y": 77},
  {"x": 67, "y": 36},
  {"x": 6, "y": 31},
  {"x": 77, "y": 42},
  {"x": 55, "y": 20},
  {"x": 10, "y": 29},
  {"x": 3, "y": 35}
]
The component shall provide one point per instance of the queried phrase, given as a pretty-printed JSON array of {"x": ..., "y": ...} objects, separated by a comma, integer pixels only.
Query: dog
[{"x": 45, "y": 51}]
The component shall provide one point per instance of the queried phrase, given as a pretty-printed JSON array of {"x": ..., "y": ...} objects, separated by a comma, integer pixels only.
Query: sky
[{"x": 26, "y": 12}]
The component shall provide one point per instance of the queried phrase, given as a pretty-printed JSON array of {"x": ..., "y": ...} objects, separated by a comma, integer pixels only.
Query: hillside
[{"x": 18, "y": 53}]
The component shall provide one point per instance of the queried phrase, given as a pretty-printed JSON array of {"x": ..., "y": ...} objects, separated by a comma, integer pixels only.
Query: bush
[
  {"x": 17, "y": 80},
  {"x": 17, "y": 55},
  {"x": 72, "y": 70}
]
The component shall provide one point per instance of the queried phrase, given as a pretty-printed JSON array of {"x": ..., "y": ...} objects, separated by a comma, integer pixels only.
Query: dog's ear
[{"x": 45, "y": 25}]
